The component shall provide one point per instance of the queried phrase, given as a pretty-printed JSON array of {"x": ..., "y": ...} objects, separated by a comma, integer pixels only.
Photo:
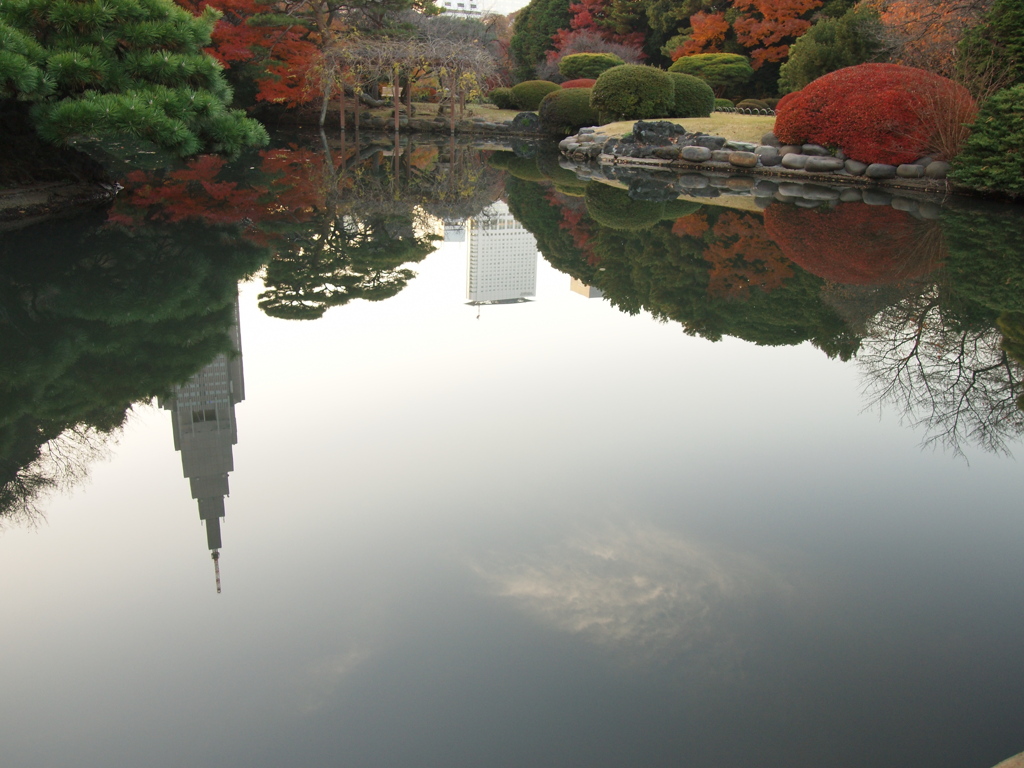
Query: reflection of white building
[
  {"x": 478, "y": 8},
  {"x": 204, "y": 428},
  {"x": 454, "y": 230},
  {"x": 588, "y": 291},
  {"x": 502, "y": 265}
]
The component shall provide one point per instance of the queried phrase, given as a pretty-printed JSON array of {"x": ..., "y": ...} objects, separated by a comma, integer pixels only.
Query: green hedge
[
  {"x": 722, "y": 71},
  {"x": 633, "y": 91},
  {"x": 528, "y": 95},
  {"x": 993, "y": 157},
  {"x": 612, "y": 207},
  {"x": 752, "y": 104},
  {"x": 503, "y": 98},
  {"x": 723, "y": 104},
  {"x": 692, "y": 96},
  {"x": 567, "y": 110},
  {"x": 590, "y": 65}
]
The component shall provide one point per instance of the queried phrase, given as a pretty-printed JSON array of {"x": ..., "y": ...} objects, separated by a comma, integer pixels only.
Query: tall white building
[{"x": 502, "y": 261}]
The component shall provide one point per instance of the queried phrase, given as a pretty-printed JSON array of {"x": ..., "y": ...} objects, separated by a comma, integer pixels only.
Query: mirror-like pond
[{"x": 448, "y": 455}]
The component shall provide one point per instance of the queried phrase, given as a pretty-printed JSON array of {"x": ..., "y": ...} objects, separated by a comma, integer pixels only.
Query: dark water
[{"x": 709, "y": 482}]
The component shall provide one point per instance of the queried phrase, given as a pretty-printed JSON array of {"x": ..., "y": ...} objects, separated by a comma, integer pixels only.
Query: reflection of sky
[{"x": 621, "y": 485}]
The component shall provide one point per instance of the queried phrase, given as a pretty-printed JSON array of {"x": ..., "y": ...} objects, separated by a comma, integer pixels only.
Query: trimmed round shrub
[
  {"x": 503, "y": 98},
  {"x": 588, "y": 65},
  {"x": 633, "y": 91},
  {"x": 692, "y": 97},
  {"x": 752, "y": 104},
  {"x": 528, "y": 95},
  {"x": 993, "y": 155},
  {"x": 722, "y": 71},
  {"x": 772, "y": 103},
  {"x": 581, "y": 82},
  {"x": 566, "y": 111},
  {"x": 876, "y": 113},
  {"x": 612, "y": 207},
  {"x": 723, "y": 104}
]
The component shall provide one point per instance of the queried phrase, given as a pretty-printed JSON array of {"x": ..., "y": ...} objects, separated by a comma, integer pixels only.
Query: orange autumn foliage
[
  {"x": 743, "y": 257},
  {"x": 925, "y": 33},
  {"x": 709, "y": 30}
]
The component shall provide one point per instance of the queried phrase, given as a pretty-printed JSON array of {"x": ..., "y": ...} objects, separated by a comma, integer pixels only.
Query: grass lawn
[{"x": 728, "y": 124}]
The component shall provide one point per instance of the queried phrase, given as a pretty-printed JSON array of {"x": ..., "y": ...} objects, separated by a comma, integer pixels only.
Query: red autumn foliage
[
  {"x": 766, "y": 27},
  {"x": 857, "y": 244},
  {"x": 580, "y": 82},
  {"x": 876, "y": 113},
  {"x": 282, "y": 55},
  {"x": 600, "y": 17}
]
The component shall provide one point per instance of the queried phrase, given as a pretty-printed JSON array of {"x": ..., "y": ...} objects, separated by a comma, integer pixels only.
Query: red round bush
[
  {"x": 877, "y": 113},
  {"x": 857, "y": 244},
  {"x": 580, "y": 82}
]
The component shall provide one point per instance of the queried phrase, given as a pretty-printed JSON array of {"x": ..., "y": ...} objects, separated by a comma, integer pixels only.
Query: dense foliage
[
  {"x": 120, "y": 68},
  {"x": 993, "y": 156},
  {"x": 726, "y": 73},
  {"x": 503, "y": 98},
  {"x": 831, "y": 44},
  {"x": 589, "y": 65},
  {"x": 567, "y": 110},
  {"x": 633, "y": 91},
  {"x": 532, "y": 37},
  {"x": 875, "y": 113},
  {"x": 529, "y": 94},
  {"x": 582, "y": 82},
  {"x": 692, "y": 96}
]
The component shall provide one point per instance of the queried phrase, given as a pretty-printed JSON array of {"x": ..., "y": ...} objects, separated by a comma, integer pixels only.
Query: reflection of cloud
[
  {"x": 642, "y": 590},
  {"x": 318, "y": 683}
]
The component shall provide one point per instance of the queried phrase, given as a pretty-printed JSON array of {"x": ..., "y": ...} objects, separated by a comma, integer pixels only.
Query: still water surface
[{"x": 542, "y": 533}]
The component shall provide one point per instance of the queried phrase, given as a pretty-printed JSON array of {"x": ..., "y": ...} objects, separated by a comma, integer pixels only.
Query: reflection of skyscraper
[
  {"x": 203, "y": 419},
  {"x": 454, "y": 230},
  {"x": 502, "y": 265},
  {"x": 589, "y": 291}
]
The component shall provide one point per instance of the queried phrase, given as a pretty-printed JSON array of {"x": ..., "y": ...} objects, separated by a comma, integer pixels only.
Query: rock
[
  {"x": 924, "y": 162},
  {"x": 850, "y": 196},
  {"x": 709, "y": 142},
  {"x": 592, "y": 150},
  {"x": 765, "y": 188},
  {"x": 791, "y": 189},
  {"x": 802, "y": 203},
  {"x": 769, "y": 156},
  {"x": 719, "y": 182},
  {"x": 692, "y": 181},
  {"x": 667, "y": 153},
  {"x": 526, "y": 121},
  {"x": 821, "y": 164},
  {"x": 695, "y": 154},
  {"x": 585, "y": 138},
  {"x": 720, "y": 155},
  {"x": 877, "y": 197},
  {"x": 740, "y": 183},
  {"x": 909, "y": 171},
  {"x": 794, "y": 162},
  {"x": 743, "y": 159},
  {"x": 740, "y": 146},
  {"x": 705, "y": 192},
  {"x": 763, "y": 202},
  {"x": 904, "y": 204},
  {"x": 584, "y": 131},
  {"x": 567, "y": 144},
  {"x": 880, "y": 171},
  {"x": 818, "y": 192},
  {"x": 609, "y": 146},
  {"x": 770, "y": 140},
  {"x": 929, "y": 210},
  {"x": 789, "y": 149},
  {"x": 840, "y": 154},
  {"x": 855, "y": 167},
  {"x": 815, "y": 150},
  {"x": 937, "y": 170}
]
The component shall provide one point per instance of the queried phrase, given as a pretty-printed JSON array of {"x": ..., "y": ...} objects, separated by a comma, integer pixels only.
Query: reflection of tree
[
  {"x": 955, "y": 381},
  {"x": 94, "y": 317}
]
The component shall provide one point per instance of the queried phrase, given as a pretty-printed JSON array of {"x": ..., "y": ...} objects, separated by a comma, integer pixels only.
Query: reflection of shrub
[
  {"x": 500, "y": 159},
  {"x": 985, "y": 263},
  {"x": 524, "y": 168},
  {"x": 677, "y": 209},
  {"x": 503, "y": 98},
  {"x": 566, "y": 111},
  {"x": 613, "y": 208},
  {"x": 632, "y": 91},
  {"x": 875, "y": 113},
  {"x": 528, "y": 95},
  {"x": 857, "y": 244},
  {"x": 589, "y": 65},
  {"x": 993, "y": 156},
  {"x": 692, "y": 97},
  {"x": 548, "y": 164},
  {"x": 582, "y": 82},
  {"x": 723, "y": 104},
  {"x": 724, "y": 72}
]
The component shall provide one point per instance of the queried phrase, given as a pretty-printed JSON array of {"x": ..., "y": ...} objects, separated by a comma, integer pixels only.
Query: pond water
[{"x": 720, "y": 481}]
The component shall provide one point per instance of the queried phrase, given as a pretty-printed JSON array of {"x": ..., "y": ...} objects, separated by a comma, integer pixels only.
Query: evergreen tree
[{"x": 126, "y": 68}]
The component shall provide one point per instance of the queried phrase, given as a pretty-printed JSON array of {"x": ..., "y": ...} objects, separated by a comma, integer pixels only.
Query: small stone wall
[{"x": 666, "y": 143}]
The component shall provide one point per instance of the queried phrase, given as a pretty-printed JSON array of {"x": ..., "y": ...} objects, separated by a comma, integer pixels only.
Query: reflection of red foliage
[
  {"x": 576, "y": 222},
  {"x": 857, "y": 244},
  {"x": 694, "y": 225},
  {"x": 743, "y": 257},
  {"x": 875, "y": 113},
  {"x": 284, "y": 53},
  {"x": 580, "y": 82}
]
